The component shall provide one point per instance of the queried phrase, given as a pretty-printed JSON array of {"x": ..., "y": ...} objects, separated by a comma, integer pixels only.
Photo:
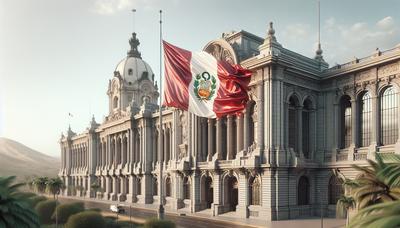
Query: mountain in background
[{"x": 19, "y": 160}]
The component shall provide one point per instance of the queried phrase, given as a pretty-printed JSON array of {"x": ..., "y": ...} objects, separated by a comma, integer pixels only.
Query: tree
[
  {"x": 374, "y": 184},
  {"x": 15, "y": 210},
  {"x": 54, "y": 186},
  {"x": 380, "y": 215},
  {"x": 96, "y": 187},
  {"x": 40, "y": 184},
  {"x": 343, "y": 205}
]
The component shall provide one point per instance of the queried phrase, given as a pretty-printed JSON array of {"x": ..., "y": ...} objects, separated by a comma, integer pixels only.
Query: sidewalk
[{"x": 229, "y": 217}]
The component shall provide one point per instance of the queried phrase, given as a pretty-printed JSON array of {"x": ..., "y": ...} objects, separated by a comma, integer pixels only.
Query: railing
[
  {"x": 360, "y": 156},
  {"x": 341, "y": 157}
]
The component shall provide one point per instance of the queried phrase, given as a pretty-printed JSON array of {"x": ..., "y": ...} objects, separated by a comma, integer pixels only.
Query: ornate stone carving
[{"x": 390, "y": 69}]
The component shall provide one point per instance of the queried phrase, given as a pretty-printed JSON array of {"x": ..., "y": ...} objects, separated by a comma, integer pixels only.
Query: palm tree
[
  {"x": 15, "y": 210},
  {"x": 40, "y": 184},
  {"x": 343, "y": 205},
  {"x": 54, "y": 186},
  {"x": 374, "y": 184},
  {"x": 380, "y": 215}
]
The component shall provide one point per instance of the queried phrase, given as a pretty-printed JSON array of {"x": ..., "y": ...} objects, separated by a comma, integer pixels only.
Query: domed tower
[{"x": 133, "y": 81}]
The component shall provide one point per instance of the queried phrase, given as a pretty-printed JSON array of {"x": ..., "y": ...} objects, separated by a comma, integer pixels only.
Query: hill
[{"x": 19, "y": 160}]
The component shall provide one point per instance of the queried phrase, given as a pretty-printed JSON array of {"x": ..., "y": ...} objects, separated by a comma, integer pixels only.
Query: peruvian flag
[{"x": 200, "y": 84}]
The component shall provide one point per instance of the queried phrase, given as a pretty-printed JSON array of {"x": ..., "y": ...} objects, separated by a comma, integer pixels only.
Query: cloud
[
  {"x": 341, "y": 42},
  {"x": 107, "y": 7}
]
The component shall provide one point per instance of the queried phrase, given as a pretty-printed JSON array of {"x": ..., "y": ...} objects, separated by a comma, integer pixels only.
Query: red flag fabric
[{"x": 198, "y": 83}]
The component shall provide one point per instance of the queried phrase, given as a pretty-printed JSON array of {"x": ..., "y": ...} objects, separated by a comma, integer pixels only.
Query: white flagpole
[{"x": 160, "y": 212}]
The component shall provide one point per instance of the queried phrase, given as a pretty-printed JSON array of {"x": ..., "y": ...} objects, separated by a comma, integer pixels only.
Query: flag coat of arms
[{"x": 200, "y": 84}]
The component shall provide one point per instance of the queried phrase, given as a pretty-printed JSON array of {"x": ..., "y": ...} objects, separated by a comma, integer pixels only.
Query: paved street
[{"x": 180, "y": 221}]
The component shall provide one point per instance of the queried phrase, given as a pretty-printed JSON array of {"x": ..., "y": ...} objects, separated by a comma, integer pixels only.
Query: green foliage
[
  {"x": 156, "y": 223},
  {"x": 54, "y": 186},
  {"x": 64, "y": 211},
  {"x": 380, "y": 215},
  {"x": 86, "y": 219},
  {"x": 45, "y": 210},
  {"x": 379, "y": 182},
  {"x": 15, "y": 209},
  {"x": 36, "y": 199},
  {"x": 343, "y": 204},
  {"x": 40, "y": 184},
  {"x": 94, "y": 209}
]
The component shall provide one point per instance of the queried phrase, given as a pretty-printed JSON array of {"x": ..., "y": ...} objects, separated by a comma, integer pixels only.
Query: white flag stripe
[{"x": 202, "y": 62}]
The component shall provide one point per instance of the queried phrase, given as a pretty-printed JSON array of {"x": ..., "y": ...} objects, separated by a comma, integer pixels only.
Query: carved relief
[
  {"x": 390, "y": 69},
  {"x": 221, "y": 50},
  {"x": 365, "y": 75}
]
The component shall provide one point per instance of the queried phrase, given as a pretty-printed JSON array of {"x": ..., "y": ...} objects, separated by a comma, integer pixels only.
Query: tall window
[
  {"x": 303, "y": 191},
  {"x": 168, "y": 187},
  {"x": 335, "y": 190},
  {"x": 251, "y": 123},
  {"x": 186, "y": 188},
  {"x": 365, "y": 119},
  {"x": 293, "y": 103},
  {"x": 254, "y": 190},
  {"x": 388, "y": 114},
  {"x": 307, "y": 108},
  {"x": 345, "y": 121},
  {"x": 155, "y": 186},
  {"x": 139, "y": 186}
]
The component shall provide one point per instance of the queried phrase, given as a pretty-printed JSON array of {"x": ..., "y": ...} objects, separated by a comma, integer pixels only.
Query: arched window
[
  {"x": 389, "y": 116},
  {"x": 303, "y": 191},
  {"x": 254, "y": 190},
  {"x": 155, "y": 186},
  {"x": 306, "y": 127},
  {"x": 115, "y": 102},
  {"x": 365, "y": 119},
  {"x": 186, "y": 188},
  {"x": 139, "y": 186},
  {"x": 335, "y": 189},
  {"x": 168, "y": 187},
  {"x": 293, "y": 104},
  {"x": 345, "y": 121}
]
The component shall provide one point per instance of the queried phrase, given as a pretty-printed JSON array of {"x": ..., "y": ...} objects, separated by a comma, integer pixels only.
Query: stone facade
[{"x": 273, "y": 161}]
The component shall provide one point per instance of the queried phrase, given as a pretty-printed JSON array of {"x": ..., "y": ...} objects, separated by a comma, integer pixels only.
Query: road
[{"x": 180, "y": 221}]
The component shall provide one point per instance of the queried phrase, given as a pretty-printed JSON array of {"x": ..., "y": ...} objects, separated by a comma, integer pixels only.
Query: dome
[{"x": 133, "y": 69}]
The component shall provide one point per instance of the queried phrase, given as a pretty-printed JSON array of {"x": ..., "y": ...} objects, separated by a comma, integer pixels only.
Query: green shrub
[
  {"x": 94, "y": 209},
  {"x": 44, "y": 210},
  {"x": 156, "y": 223},
  {"x": 64, "y": 211},
  {"x": 86, "y": 219},
  {"x": 36, "y": 199},
  {"x": 127, "y": 224}
]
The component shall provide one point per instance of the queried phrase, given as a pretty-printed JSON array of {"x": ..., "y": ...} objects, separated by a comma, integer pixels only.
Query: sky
[{"x": 56, "y": 56}]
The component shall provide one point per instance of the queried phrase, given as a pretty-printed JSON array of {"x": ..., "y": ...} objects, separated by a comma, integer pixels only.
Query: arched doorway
[
  {"x": 208, "y": 191},
  {"x": 231, "y": 193}
]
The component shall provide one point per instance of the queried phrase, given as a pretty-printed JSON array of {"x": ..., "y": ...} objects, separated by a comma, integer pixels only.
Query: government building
[{"x": 273, "y": 161}]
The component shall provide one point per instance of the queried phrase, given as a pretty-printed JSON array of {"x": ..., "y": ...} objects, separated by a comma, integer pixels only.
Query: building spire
[
  {"x": 133, "y": 41},
  {"x": 318, "y": 52}
]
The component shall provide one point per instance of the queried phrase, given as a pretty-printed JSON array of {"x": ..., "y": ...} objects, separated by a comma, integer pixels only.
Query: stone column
[
  {"x": 299, "y": 112},
  {"x": 131, "y": 197},
  {"x": 195, "y": 197},
  {"x": 246, "y": 129},
  {"x": 375, "y": 137},
  {"x": 219, "y": 139},
  {"x": 229, "y": 141},
  {"x": 260, "y": 119},
  {"x": 354, "y": 130},
  {"x": 114, "y": 194},
  {"x": 217, "y": 206},
  {"x": 239, "y": 132},
  {"x": 108, "y": 188},
  {"x": 211, "y": 138},
  {"x": 122, "y": 191},
  {"x": 243, "y": 194},
  {"x": 204, "y": 140},
  {"x": 123, "y": 149}
]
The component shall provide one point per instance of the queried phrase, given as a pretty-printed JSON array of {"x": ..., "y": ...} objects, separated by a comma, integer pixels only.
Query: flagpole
[{"x": 160, "y": 212}]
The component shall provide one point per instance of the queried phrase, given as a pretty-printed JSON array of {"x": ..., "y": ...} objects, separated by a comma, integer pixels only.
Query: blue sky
[{"x": 57, "y": 55}]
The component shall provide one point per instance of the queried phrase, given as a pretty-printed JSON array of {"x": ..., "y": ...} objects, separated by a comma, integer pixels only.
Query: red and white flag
[{"x": 198, "y": 83}]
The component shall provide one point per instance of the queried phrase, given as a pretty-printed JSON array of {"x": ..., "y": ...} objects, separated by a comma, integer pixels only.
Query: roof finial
[
  {"x": 133, "y": 41},
  {"x": 271, "y": 31}
]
